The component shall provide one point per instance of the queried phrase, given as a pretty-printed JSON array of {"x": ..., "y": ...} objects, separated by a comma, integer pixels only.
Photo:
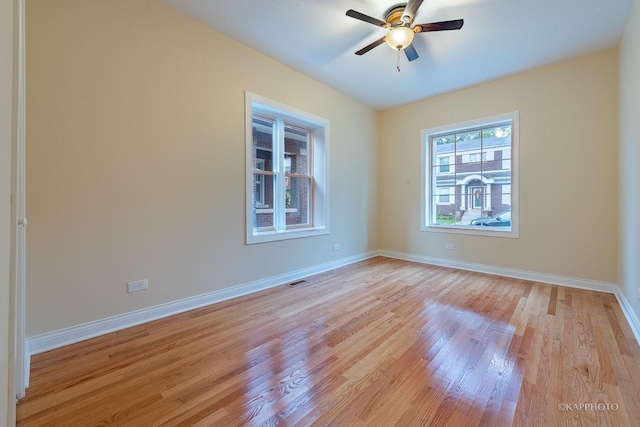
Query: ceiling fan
[{"x": 399, "y": 20}]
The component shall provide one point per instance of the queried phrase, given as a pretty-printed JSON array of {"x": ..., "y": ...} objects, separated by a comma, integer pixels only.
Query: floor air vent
[{"x": 299, "y": 282}]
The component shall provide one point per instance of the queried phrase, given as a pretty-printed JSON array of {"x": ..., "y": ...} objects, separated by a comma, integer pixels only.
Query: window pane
[
  {"x": 297, "y": 201},
  {"x": 443, "y": 180},
  {"x": 460, "y": 213},
  {"x": 263, "y": 219},
  {"x": 468, "y": 136},
  {"x": 263, "y": 160},
  {"x": 263, "y": 200},
  {"x": 262, "y": 144},
  {"x": 262, "y": 190},
  {"x": 445, "y": 212},
  {"x": 443, "y": 154},
  {"x": 258, "y": 189},
  {"x": 505, "y": 204},
  {"x": 444, "y": 139},
  {"x": 444, "y": 196},
  {"x": 503, "y": 131},
  {"x": 444, "y": 162},
  {"x": 296, "y": 148},
  {"x": 505, "y": 197}
]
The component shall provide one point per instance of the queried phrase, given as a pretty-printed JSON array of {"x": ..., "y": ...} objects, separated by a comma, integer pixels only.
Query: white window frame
[
  {"x": 427, "y": 207},
  {"x": 258, "y": 105}
]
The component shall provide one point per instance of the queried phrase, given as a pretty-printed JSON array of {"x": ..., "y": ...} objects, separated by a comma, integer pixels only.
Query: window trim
[
  {"x": 320, "y": 127},
  {"x": 426, "y": 170}
]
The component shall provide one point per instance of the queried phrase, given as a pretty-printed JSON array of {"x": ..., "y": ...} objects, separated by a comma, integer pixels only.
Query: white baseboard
[
  {"x": 74, "y": 334},
  {"x": 571, "y": 282},
  {"x": 628, "y": 312}
]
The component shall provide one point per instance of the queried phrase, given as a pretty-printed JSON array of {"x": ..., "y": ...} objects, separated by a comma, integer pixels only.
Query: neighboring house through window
[
  {"x": 287, "y": 172},
  {"x": 470, "y": 177}
]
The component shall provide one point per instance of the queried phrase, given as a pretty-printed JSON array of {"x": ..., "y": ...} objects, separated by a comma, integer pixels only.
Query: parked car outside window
[{"x": 503, "y": 219}]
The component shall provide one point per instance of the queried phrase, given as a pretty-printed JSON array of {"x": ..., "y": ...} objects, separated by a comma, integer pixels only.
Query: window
[
  {"x": 470, "y": 177},
  {"x": 444, "y": 195},
  {"x": 287, "y": 172},
  {"x": 444, "y": 162},
  {"x": 475, "y": 157}
]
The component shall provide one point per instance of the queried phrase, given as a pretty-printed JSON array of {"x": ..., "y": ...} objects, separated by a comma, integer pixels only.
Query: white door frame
[{"x": 19, "y": 220}]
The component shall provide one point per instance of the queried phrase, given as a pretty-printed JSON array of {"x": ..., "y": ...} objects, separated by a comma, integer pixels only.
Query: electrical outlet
[
  {"x": 138, "y": 285},
  {"x": 336, "y": 247},
  {"x": 449, "y": 246}
]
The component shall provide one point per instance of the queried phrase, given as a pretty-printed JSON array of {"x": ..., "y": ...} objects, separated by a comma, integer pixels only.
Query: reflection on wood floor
[{"x": 382, "y": 342}]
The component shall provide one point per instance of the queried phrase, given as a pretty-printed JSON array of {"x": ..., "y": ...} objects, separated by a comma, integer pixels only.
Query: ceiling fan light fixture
[{"x": 400, "y": 37}]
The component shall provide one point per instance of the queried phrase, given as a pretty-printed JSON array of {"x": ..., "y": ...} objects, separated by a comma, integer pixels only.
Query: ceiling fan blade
[
  {"x": 411, "y": 53},
  {"x": 366, "y": 18},
  {"x": 410, "y": 11},
  {"x": 456, "y": 24},
  {"x": 371, "y": 46}
]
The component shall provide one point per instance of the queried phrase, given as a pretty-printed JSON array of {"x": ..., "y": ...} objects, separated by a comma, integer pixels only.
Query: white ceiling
[{"x": 499, "y": 38}]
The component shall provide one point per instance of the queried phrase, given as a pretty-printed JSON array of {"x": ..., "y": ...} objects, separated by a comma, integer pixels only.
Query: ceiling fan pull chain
[{"x": 398, "y": 61}]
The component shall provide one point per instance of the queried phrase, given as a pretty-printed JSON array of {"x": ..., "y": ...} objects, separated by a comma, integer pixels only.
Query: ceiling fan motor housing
[{"x": 394, "y": 16}]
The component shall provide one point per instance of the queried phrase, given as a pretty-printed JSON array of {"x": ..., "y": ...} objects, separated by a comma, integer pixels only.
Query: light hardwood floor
[{"x": 379, "y": 343}]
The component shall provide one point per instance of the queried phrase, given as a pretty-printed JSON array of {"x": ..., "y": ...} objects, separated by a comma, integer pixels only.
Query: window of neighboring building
[
  {"x": 475, "y": 157},
  {"x": 444, "y": 195},
  {"x": 287, "y": 172},
  {"x": 470, "y": 176},
  {"x": 258, "y": 192},
  {"x": 445, "y": 164}
]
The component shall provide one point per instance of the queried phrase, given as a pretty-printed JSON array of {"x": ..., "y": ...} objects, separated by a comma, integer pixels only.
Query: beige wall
[
  {"x": 568, "y": 170},
  {"x": 135, "y": 155},
  {"x": 7, "y": 397},
  {"x": 630, "y": 159}
]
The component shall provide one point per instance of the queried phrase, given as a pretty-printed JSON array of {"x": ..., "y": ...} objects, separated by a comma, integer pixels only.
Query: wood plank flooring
[{"x": 382, "y": 342}]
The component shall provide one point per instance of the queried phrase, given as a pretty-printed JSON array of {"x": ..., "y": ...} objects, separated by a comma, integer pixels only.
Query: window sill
[
  {"x": 268, "y": 210},
  {"x": 512, "y": 233},
  {"x": 273, "y": 236}
]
